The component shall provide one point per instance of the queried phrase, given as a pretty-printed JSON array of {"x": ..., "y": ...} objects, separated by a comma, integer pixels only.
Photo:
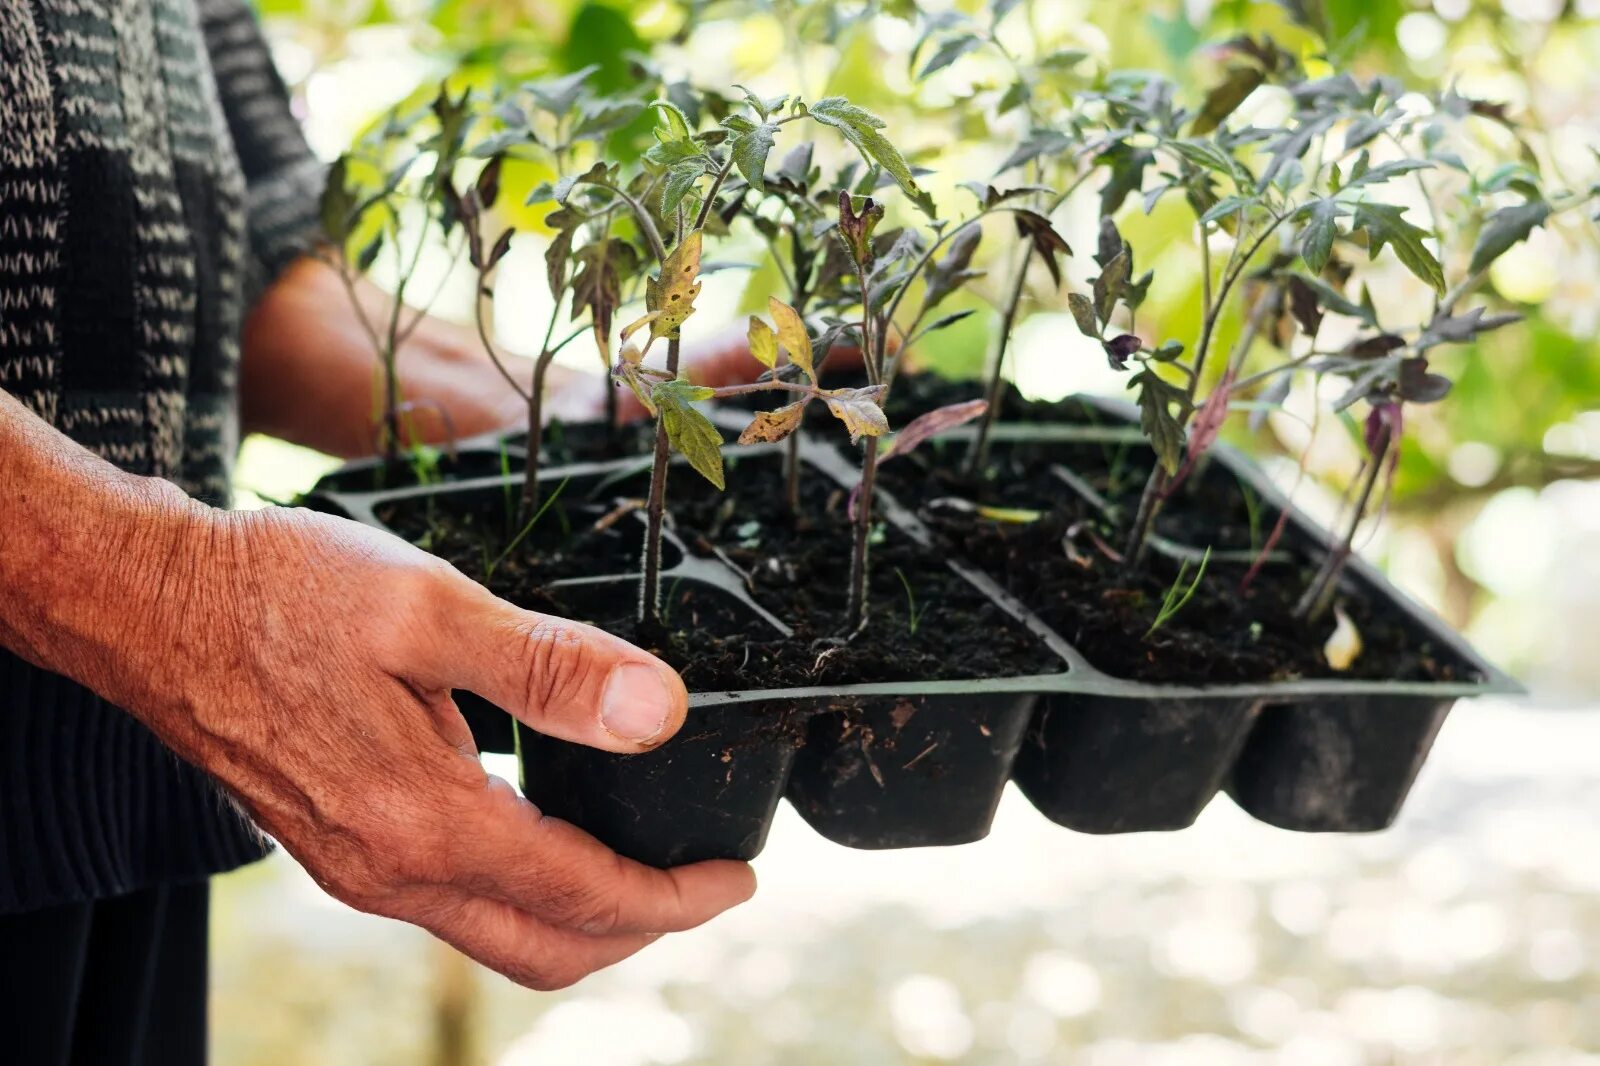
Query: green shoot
[
  {"x": 490, "y": 567},
  {"x": 1178, "y": 595},
  {"x": 913, "y": 612}
]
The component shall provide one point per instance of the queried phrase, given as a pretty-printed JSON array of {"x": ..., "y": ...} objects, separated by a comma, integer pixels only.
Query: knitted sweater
[{"x": 152, "y": 179}]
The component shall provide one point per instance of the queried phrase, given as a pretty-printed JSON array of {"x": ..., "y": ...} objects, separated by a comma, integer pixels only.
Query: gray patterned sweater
[{"x": 152, "y": 179}]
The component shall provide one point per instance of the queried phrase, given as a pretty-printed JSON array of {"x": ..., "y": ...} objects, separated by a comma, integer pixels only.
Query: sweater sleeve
[{"x": 283, "y": 178}]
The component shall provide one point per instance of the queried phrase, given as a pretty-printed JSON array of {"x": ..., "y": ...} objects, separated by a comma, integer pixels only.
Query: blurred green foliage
[{"x": 1521, "y": 391}]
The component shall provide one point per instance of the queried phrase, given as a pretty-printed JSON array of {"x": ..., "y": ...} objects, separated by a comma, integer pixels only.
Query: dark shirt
[{"x": 152, "y": 181}]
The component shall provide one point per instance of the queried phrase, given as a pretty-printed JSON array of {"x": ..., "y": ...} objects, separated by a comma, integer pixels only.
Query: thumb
[{"x": 565, "y": 679}]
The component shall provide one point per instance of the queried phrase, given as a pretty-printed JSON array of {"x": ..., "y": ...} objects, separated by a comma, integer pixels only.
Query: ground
[{"x": 1465, "y": 935}]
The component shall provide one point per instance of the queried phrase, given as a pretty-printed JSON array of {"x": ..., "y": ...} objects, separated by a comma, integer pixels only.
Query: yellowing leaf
[
  {"x": 859, "y": 410},
  {"x": 689, "y": 431},
  {"x": 637, "y": 324},
  {"x": 673, "y": 293},
  {"x": 763, "y": 343},
  {"x": 792, "y": 335},
  {"x": 1010, "y": 515},
  {"x": 770, "y": 426}
]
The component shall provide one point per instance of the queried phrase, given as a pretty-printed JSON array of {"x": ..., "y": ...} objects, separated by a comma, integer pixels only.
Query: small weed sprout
[
  {"x": 1178, "y": 594},
  {"x": 913, "y": 612}
]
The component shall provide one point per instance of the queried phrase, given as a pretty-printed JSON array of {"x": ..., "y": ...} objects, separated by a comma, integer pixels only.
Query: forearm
[
  {"x": 308, "y": 372},
  {"x": 88, "y": 555}
]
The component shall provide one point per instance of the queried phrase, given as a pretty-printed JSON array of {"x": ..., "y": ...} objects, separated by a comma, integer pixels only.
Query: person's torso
[{"x": 122, "y": 243}]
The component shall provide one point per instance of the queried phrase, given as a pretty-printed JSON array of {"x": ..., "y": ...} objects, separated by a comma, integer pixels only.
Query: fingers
[
  {"x": 568, "y": 879},
  {"x": 520, "y": 947},
  {"x": 565, "y": 679}
]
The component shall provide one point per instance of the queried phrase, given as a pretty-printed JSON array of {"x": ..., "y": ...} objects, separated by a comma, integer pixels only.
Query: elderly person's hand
[{"x": 306, "y": 662}]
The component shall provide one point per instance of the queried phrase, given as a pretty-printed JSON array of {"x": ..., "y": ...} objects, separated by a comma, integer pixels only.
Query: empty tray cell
[
  {"x": 1336, "y": 765},
  {"x": 1109, "y": 764},
  {"x": 900, "y": 772}
]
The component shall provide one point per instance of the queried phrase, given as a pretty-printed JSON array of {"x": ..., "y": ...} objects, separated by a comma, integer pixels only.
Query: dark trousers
[{"x": 114, "y": 982}]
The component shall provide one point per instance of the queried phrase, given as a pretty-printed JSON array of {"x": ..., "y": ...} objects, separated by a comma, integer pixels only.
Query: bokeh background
[{"x": 1469, "y": 933}]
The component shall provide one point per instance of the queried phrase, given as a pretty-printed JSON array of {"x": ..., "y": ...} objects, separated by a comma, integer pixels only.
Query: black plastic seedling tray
[{"x": 917, "y": 763}]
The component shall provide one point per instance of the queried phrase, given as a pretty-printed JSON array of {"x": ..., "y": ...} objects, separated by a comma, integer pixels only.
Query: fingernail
[{"x": 635, "y": 703}]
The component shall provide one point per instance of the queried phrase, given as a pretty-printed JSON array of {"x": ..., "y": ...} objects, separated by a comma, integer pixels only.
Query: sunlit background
[{"x": 1468, "y": 934}]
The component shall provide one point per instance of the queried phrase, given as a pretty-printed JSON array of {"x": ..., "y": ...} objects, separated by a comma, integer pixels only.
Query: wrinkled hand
[{"x": 323, "y": 654}]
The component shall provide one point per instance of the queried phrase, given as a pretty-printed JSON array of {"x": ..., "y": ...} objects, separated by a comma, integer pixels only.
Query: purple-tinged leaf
[
  {"x": 1120, "y": 349},
  {"x": 929, "y": 425},
  {"x": 1418, "y": 385},
  {"x": 1204, "y": 427}
]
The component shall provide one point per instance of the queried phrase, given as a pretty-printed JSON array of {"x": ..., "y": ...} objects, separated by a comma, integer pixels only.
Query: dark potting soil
[
  {"x": 564, "y": 443},
  {"x": 586, "y": 442},
  {"x": 1224, "y": 634},
  {"x": 924, "y": 620}
]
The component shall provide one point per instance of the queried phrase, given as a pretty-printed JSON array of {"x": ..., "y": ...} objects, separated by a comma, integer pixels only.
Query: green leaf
[
  {"x": 862, "y": 129},
  {"x": 679, "y": 181},
  {"x": 1316, "y": 244},
  {"x": 1016, "y": 94},
  {"x": 1063, "y": 59},
  {"x": 1336, "y": 302},
  {"x": 1164, "y": 429},
  {"x": 1505, "y": 228},
  {"x": 954, "y": 270},
  {"x": 1385, "y": 226},
  {"x": 952, "y": 49},
  {"x": 1111, "y": 284},
  {"x": 677, "y": 126},
  {"x": 1226, "y": 206},
  {"x": 1127, "y": 166},
  {"x": 557, "y": 95},
  {"x": 369, "y": 254},
  {"x": 1226, "y": 97},
  {"x": 999, "y": 9},
  {"x": 600, "y": 117},
  {"x": 1038, "y": 142},
  {"x": 1369, "y": 175},
  {"x": 689, "y": 431},
  {"x": 945, "y": 321},
  {"x": 338, "y": 202},
  {"x": 1291, "y": 145},
  {"x": 750, "y": 149}
]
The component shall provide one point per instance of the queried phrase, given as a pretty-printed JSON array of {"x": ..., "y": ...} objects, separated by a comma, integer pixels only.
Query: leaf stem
[
  {"x": 979, "y": 453},
  {"x": 650, "y": 587},
  {"x": 856, "y": 606},
  {"x": 1318, "y": 596}
]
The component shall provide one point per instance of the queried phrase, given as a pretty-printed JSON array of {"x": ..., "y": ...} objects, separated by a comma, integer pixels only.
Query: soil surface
[
  {"x": 565, "y": 442},
  {"x": 1064, "y": 566},
  {"x": 796, "y": 569}
]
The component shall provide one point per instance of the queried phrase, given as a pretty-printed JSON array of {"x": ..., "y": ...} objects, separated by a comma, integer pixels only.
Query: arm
[
  {"x": 306, "y": 662},
  {"x": 309, "y": 373}
]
